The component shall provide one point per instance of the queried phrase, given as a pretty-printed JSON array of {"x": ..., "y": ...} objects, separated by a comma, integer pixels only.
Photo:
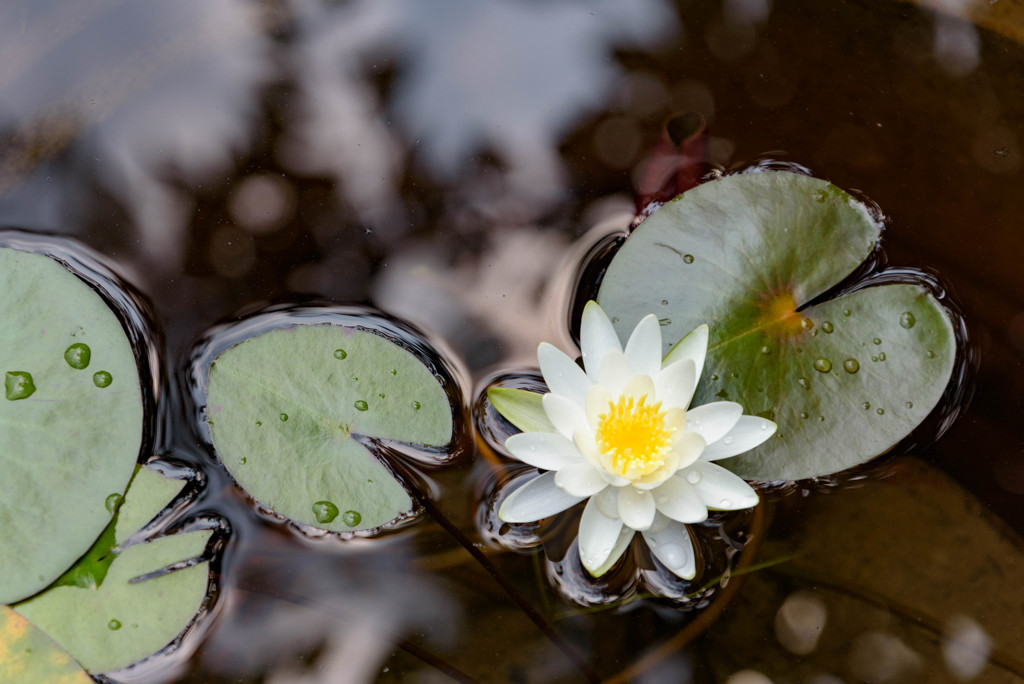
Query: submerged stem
[{"x": 545, "y": 627}]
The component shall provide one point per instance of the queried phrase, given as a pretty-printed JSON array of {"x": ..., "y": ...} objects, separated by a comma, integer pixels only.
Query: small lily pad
[
  {"x": 28, "y": 655},
  {"x": 67, "y": 443},
  {"x": 844, "y": 379},
  {"x": 291, "y": 411},
  {"x": 120, "y": 619}
]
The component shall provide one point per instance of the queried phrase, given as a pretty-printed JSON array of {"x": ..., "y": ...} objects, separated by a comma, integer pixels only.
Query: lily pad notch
[
  {"x": 301, "y": 403},
  {"x": 81, "y": 367},
  {"x": 756, "y": 257}
]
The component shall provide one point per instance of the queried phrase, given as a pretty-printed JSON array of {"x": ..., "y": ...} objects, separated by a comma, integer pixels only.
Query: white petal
[
  {"x": 614, "y": 372},
  {"x": 694, "y": 347},
  {"x": 688, "y": 447},
  {"x": 749, "y": 432},
  {"x": 674, "y": 548},
  {"x": 621, "y": 544},
  {"x": 561, "y": 373},
  {"x": 640, "y": 386},
  {"x": 566, "y": 415},
  {"x": 597, "y": 338},
  {"x": 597, "y": 536},
  {"x": 598, "y": 404},
  {"x": 636, "y": 507},
  {"x": 544, "y": 450},
  {"x": 580, "y": 479},
  {"x": 713, "y": 421},
  {"x": 722, "y": 490},
  {"x": 679, "y": 500},
  {"x": 643, "y": 349},
  {"x": 675, "y": 384},
  {"x": 537, "y": 499}
]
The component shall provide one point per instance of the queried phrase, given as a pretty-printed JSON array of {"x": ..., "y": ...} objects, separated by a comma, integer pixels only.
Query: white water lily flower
[{"x": 625, "y": 438}]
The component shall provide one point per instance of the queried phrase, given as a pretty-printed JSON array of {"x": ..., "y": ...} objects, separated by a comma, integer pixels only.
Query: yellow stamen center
[{"x": 633, "y": 437}]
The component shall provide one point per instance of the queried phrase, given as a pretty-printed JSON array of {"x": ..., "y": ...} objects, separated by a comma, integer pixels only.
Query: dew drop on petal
[
  {"x": 361, "y": 405},
  {"x": 416, "y": 406},
  {"x": 910, "y": 404},
  {"x": 866, "y": 405},
  {"x": 672, "y": 555},
  {"x": 114, "y": 625},
  {"x": 284, "y": 417},
  {"x": 687, "y": 258},
  {"x": 880, "y": 411},
  {"x": 351, "y": 518},
  {"x": 102, "y": 379},
  {"x": 907, "y": 320},
  {"x": 827, "y": 327},
  {"x": 805, "y": 383},
  {"x": 725, "y": 503},
  {"x": 693, "y": 477},
  {"x": 822, "y": 365},
  {"x": 851, "y": 365},
  {"x": 877, "y": 340}
]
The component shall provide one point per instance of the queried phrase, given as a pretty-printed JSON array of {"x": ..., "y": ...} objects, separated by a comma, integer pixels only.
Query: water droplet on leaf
[
  {"x": 352, "y": 518},
  {"x": 112, "y": 502},
  {"x": 877, "y": 340},
  {"x": 361, "y": 405},
  {"x": 325, "y": 512},
  {"x": 284, "y": 417},
  {"x": 907, "y": 320},
  {"x": 687, "y": 258},
  {"x": 822, "y": 365},
  {"x": 805, "y": 383},
  {"x": 880, "y": 411},
  {"x": 416, "y": 406},
  {"x": 78, "y": 355},
  {"x": 851, "y": 365},
  {"x": 866, "y": 405},
  {"x": 766, "y": 350},
  {"x": 910, "y": 404},
  {"x": 102, "y": 379},
  {"x": 827, "y": 327},
  {"x": 804, "y": 415},
  {"x": 114, "y": 625},
  {"x": 18, "y": 385},
  {"x": 340, "y": 354}
]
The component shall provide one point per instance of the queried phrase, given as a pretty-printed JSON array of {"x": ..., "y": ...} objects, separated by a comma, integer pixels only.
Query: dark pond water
[{"x": 447, "y": 163}]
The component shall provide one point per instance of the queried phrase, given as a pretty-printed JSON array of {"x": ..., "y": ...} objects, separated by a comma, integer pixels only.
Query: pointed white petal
[
  {"x": 636, "y": 507},
  {"x": 688, "y": 448},
  {"x": 679, "y": 500},
  {"x": 722, "y": 490},
  {"x": 640, "y": 386},
  {"x": 673, "y": 547},
  {"x": 675, "y": 384},
  {"x": 614, "y": 372},
  {"x": 561, "y": 373},
  {"x": 643, "y": 349},
  {"x": 597, "y": 536},
  {"x": 749, "y": 432},
  {"x": 580, "y": 479},
  {"x": 621, "y": 544},
  {"x": 713, "y": 421},
  {"x": 694, "y": 347},
  {"x": 544, "y": 450},
  {"x": 599, "y": 401},
  {"x": 537, "y": 499},
  {"x": 597, "y": 338},
  {"x": 566, "y": 415}
]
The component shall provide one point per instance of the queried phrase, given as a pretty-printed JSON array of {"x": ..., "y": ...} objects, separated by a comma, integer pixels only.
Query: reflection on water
[{"x": 440, "y": 161}]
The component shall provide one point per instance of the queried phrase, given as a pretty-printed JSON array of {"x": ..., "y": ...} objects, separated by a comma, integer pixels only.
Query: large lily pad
[
  {"x": 71, "y": 419},
  {"x": 290, "y": 411},
  {"x": 844, "y": 379},
  {"x": 118, "y": 619},
  {"x": 28, "y": 655}
]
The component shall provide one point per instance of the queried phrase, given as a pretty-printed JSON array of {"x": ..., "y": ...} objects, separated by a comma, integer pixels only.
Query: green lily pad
[
  {"x": 68, "y": 443},
  {"x": 844, "y": 379},
  {"x": 28, "y": 655},
  {"x": 115, "y": 621},
  {"x": 290, "y": 411}
]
